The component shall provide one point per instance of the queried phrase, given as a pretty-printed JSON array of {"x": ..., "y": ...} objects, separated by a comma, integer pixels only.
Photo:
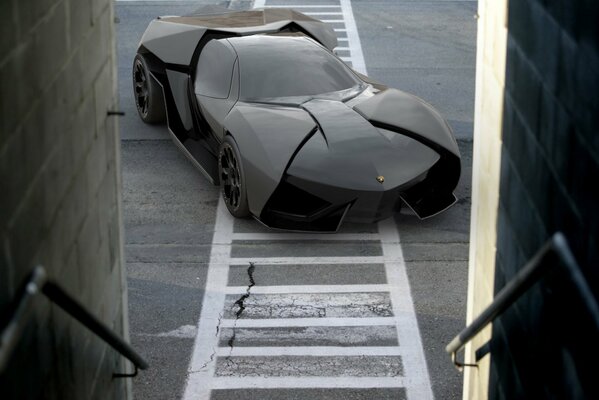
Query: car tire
[
  {"x": 149, "y": 100},
  {"x": 232, "y": 178}
]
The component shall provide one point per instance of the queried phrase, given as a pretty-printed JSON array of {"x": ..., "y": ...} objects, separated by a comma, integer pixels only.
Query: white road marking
[
  {"x": 332, "y": 351},
  {"x": 310, "y": 260},
  {"x": 309, "y": 289},
  {"x": 201, "y": 369},
  {"x": 308, "y": 382},
  {"x": 307, "y": 236},
  {"x": 354, "y": 39},
  {"x": 408, "y": 333},
  {"x": 324, "y": 13},
  {"x": 260, "y": 4},
  {"x": 301, "y": 322}
]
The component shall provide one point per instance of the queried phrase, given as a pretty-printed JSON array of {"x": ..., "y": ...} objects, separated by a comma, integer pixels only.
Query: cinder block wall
[
  {"x": 59, "y": 192},
  {"x": 550, "y": 155},
  {"x": 549, "y": 174},
  {"x": 541, "y": 117}
]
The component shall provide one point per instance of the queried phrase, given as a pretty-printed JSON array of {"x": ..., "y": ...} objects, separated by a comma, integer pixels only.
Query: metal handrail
[
  {"x": 524, "y": 279},
  {"x": 39, "y": 283}
]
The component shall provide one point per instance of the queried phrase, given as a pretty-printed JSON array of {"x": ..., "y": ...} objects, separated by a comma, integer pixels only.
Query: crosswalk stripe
[
  {"x": 309, "y": 260},
  {"x": 257, "y": 4},
  {"x": 331, "y": 351},
  {"x": 307, "y": 382},
  {"x": 307, "y": 236},
  {"x": 324, "y": 13},
  {"x": 300, "y": 322},
  {"x": 286, "y": 289}
]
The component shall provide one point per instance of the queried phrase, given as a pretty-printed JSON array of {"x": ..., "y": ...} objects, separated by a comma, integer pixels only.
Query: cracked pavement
[{"x": 240, "y": 304}]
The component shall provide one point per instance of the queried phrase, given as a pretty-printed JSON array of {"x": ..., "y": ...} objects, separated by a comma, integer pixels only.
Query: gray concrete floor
[{"x": 426, "y": 48}]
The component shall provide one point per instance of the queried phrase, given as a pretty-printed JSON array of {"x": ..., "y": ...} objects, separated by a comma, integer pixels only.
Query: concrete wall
[
  {"x": 549, "y": 173},
  {"x": 60, "y": 189},
  {"x": 490, "y": 84},
  {"x": 542, "y": 120}
]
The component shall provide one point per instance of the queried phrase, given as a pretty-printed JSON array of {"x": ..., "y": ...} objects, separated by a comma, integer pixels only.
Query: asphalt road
[{"x": 170, "y": 210}]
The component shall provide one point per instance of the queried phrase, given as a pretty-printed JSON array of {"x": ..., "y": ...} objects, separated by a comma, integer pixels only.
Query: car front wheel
[{"x": 232, "y": 179}]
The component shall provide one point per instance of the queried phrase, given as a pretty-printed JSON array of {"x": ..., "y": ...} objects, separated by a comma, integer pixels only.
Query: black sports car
[{"x": 262, "y": 106}]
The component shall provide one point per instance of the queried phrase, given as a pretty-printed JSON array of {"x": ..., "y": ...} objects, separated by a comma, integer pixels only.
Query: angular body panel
[
  {"x": 174, "y": 39},
  {"x": 160, "y": 36},
  {"x": 409, "y": 113},
  {"x": 356, "y": 153},
  {"x": 267, "y": 138}
]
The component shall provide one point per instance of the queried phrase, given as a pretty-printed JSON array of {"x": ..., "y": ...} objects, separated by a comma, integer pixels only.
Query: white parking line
[
  {"x": 201, "y": 369},
  {"x": 309, "y": 289},
  {"x": 260, "y": 4},
  {"x": 302, "y": 322},
  {"x": 307, "y": 236},
  {"x": 332, "y": 351},
  {"x": 323, "y": 13},
  {"x": 408, "y": 333},
  {"x": 310, "y": 260},
  {"x": 256, "y": 382},
  {"x": 354, "y": 39}
]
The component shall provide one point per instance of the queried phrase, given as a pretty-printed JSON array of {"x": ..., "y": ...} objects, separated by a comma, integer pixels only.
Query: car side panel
[
  {"x": 267, "y": 138},
  {"x": 179, "y": 82}
]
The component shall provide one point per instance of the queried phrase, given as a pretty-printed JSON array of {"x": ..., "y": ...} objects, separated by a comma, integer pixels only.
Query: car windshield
[{"x": 273, "y": 67}]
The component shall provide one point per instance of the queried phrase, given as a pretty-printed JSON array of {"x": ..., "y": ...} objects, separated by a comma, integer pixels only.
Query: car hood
[{"x": 348, "y": 151}]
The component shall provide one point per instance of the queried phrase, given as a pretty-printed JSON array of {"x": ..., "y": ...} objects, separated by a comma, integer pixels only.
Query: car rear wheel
[
  {"x": 147, "y": 93},
  {"x": 232, "y": 179}
]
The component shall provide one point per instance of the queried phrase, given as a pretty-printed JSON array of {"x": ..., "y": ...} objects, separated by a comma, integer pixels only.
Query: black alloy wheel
[
  {"x": 232, "y": 179},
  {"x": 140, "y": 82},
  {"x": 147, "y": 93}
]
